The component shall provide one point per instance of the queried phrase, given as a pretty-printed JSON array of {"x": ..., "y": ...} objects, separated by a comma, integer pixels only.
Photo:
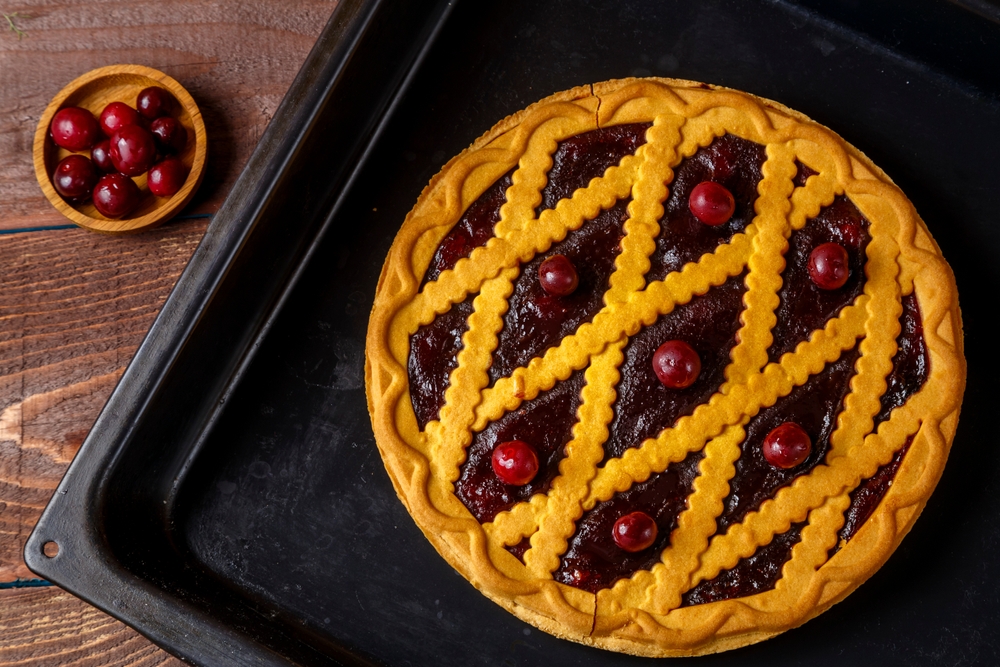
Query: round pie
[{"x": 664, "y": 368}]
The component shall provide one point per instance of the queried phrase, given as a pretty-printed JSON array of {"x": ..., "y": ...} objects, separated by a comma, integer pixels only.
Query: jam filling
[
  {"x": 520, "y": 548},
  {"x": 644, "y": 406},
  {"x": 804, "y": 307},
  {"x": 593, "y": 561},
  {"x": 869, "y": 493},
  {"x": 911, "y": 364},
  {"x": 586, "y": 156},
  {"x": 814, "y": 406},
  {"x": 802, "y": 174},
  {"x": 472, "y": 230},
  {"x": 536, "y": 320},
  {"x": 730, "y": 161},
  {"x": 546, "y": 423},
  {"x": 754, "y": 574},
  {"x": 433, "y": 356}
]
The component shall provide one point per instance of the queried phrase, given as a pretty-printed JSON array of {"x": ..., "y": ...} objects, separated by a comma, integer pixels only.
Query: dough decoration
[{"x": 664, "y": 512}]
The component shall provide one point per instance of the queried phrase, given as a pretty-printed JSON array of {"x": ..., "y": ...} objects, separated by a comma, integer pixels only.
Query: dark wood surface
[{"x": 74, "y": 305}]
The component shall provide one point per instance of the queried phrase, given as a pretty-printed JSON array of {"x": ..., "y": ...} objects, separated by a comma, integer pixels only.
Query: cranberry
[
  {"x": 133, "y": 150},
  {"x": 828, "y": 266},
  {"x": 558, "y": 276},
  {"x": 170, "y": 135},
  {"x": 635, "y": 531},
  {"x": 75, "y": 177},
  {"x": 166, "y": 177},
  {"x": 116, "y": 116},
  {"x": 515, "y": 462},
  {"x": 676, "y": 364},
  {"x": 74, "y": 129},
  {"x": 787, "y": 446},
  {"x": 153, "y": 102},
  {"x": 712, "y": 203},
  {"x": 116, "y": 195},
  {"x": 101, "y": 155}
]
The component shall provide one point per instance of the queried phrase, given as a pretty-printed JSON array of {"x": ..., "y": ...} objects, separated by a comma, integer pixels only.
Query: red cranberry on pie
[
  {"x": 787, "y": 446},
  {"x": 74, "y": 129},
  {"x": 712, "y": 203},
  {"x": 515, "y": 462},
  {"x": 558, "y": 276},
  {"x": 116, "y": 195},
  {"x": 133, "y": 150},
  {"x": 74, "y": 177},
  {"x": 635, "y": 531},
  {"x": 118, "y": 115},
  {"x": 828, "y": 266},
  {"x": 676, "y": 364}
]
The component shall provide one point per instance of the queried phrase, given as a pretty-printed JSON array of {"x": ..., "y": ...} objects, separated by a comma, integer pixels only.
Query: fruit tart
[{"x": 664, "y": 368}]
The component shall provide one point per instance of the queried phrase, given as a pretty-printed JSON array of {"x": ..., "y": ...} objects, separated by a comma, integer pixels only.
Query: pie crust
[{"x": 642, "y": 614}]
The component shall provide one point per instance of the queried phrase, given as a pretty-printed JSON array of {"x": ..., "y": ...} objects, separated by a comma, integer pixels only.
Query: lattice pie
[{"x": 664, "y": 368}]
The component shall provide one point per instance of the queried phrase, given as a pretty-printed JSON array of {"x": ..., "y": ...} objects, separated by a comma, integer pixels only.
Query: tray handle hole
[{"x": 50, "y": 549}]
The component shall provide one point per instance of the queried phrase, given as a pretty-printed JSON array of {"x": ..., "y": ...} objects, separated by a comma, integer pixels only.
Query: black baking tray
[{"x": 230, "y": 502}]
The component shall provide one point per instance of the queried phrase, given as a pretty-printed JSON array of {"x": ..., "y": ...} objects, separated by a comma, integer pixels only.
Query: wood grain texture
[
  {"x": 74, "y": 307},
  {"x": 236, "y": 59},
  {"x": 42, "y": 627}
]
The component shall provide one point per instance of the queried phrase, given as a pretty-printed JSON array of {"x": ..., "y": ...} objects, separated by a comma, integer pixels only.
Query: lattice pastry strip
[{"x": 805, "y": 171}]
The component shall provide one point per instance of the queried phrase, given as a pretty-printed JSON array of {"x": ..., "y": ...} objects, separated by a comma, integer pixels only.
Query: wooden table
[{"x": 74, "y": 305}]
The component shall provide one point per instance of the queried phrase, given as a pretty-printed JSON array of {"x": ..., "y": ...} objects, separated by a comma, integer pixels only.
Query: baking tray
[{"x": 230, "y": 503}]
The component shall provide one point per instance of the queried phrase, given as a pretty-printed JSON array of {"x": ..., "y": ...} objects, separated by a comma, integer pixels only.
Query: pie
[{"x": 664, "y": 368}]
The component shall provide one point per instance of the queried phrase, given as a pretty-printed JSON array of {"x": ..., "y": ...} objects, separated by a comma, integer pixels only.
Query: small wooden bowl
[{"x": 95, "y": 90}]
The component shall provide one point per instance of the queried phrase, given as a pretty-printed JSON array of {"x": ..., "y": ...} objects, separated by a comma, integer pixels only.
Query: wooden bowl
[{"x": 95, "y": 90}]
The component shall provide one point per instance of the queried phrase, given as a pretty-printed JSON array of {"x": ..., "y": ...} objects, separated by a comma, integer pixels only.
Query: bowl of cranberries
[{"x": 120, "y": 149}]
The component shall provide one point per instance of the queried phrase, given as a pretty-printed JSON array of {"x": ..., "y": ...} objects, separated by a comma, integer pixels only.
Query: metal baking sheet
[{"x": 230, "y": 502}]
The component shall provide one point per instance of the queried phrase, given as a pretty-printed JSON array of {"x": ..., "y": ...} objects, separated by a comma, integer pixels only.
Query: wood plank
[
  {"x": 74, "y": 307},
  {"x": 236, "y": 58},
  {"x": 43, "y": 627}
]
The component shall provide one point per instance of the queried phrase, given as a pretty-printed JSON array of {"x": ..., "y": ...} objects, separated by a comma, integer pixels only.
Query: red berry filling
[
  {"x": 593, "y": 559},
  {"x": 547, "y": 423},
  {"x": 754, "y": 574},
  {"x": 774, "y": 452},
  {"x": 515, "y": 462},
  {"x": 814, "y": 406},
  {"x": 537, "y": 320},
  {"x": 643, "y": 406},
  {"x": 676, "y": 364},
  {"x": 804, "y": 307},
  {"x": 730, "y": 161}
]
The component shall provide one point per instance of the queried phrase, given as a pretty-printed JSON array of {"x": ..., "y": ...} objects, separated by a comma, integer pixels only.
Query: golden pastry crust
[{"x": 642, "y": 614}]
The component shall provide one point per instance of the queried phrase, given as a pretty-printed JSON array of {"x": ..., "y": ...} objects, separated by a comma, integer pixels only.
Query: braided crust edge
[{"x": 629, "y": 617}]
